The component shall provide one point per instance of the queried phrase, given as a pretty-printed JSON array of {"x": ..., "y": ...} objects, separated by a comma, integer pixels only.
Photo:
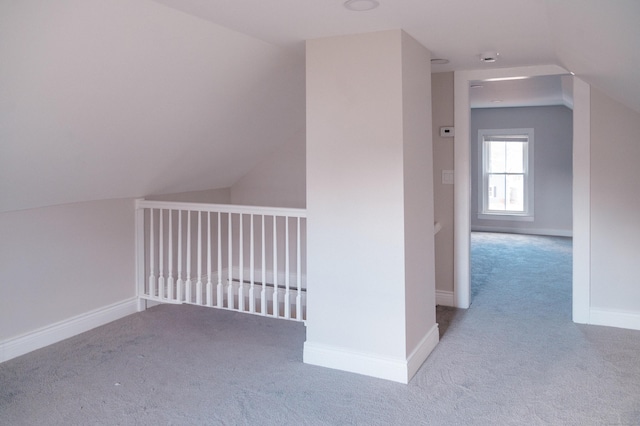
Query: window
[{"x": 506, "y": 181}]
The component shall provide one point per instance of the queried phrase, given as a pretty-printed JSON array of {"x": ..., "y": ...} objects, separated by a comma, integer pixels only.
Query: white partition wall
[{"x": 369, "y": 205}]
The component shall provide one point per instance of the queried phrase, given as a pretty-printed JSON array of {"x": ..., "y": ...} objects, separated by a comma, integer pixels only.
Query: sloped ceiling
[
  {"x": 598, "y": 40},
  {"x": 123, "y": 98}
]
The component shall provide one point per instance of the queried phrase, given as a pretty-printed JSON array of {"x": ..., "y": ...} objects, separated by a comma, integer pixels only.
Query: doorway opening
[{"x": 579, "y": 191}]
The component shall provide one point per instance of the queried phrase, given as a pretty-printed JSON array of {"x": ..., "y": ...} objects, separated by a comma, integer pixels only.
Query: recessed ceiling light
[
  {"x": 496, "y": 101},
  {"x": 476, "y": 86},
  {"x": 361, "y": 5},
  {"x": 439, "y": 61}
]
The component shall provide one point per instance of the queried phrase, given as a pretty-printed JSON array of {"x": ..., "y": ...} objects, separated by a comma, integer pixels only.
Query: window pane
[
  {"x": 514, "y": 193},
  {"x": 496, "y": 193},
  {"x": 504, "y": 170},
  {"x": 496, "y": 157},
  {"x": 515, "y": 157}
]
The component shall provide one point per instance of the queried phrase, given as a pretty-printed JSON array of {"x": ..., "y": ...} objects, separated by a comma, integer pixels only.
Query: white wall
[
  {"x": 354, "y": 193},
  {"x": 442, "y": 102},
  {"x": 214, "y": 196},
  {"x": 279, "y": 180},
  {"x": 357, "y": 196},
  {"x": 420, "y": 304},
  {"x": 615, "y": 212},
  {"x": 63, "y": 261},
  {"x": 119, "y": 99},
  {"x": 553, "y": 156}
]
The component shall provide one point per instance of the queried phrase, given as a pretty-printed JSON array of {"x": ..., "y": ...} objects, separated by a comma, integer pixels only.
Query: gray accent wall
[{"x": 553, "y": 129}]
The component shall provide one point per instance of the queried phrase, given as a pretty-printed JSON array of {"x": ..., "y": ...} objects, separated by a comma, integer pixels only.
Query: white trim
[
  {"x": 394, "y": 369},
  {"x": 528, "y": 175},
  {"x": 610, "y": 318},
  {"x": 445, "y": 298},
  {"x": 222, "y": 208},
  {"x": 527, "y": 231},
  {"x": 581, "y": 201},
  {"x": 420, "y": 354},
  {"x": 506, "y": 217},
  {"x": 462, "y": 189},
  {"x": 355, "y": 362},
  {"x": 70, "y": 327}
]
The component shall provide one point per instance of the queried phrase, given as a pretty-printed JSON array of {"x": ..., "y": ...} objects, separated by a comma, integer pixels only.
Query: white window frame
[{"x": 483, "y": 178}]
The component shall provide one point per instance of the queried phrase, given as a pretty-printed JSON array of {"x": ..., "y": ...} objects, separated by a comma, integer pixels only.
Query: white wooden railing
[{"x": 242, "y": 258}]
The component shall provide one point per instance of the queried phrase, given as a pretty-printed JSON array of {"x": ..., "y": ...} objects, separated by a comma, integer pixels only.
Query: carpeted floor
[{"x": 513, "y": 358}]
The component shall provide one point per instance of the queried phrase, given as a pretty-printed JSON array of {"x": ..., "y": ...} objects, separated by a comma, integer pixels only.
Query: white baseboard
[
  {"x": 355, "y": 362},
  {"x": 620, "y": 319},
  {"x": 422, "y": 351},
  {"x": 444, "y": 298},
  {"x": 394, "y": 369},
  {"x": 54, "y": 333},
  {"x": 527, "y": 231}
]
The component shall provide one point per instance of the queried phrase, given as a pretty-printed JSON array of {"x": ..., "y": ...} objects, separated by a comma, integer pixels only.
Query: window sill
[{"x": 500, "y": 216}]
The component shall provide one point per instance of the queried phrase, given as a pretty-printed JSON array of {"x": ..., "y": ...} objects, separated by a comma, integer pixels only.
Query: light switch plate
[{"x": 448, "y": 177}]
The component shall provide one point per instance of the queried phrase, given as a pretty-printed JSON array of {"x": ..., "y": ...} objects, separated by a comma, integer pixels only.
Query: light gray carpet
[{"x": 513, "y": 358}]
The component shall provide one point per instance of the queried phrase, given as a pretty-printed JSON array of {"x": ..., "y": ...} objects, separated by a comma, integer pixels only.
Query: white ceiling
[{"x": 596, "y": 39}]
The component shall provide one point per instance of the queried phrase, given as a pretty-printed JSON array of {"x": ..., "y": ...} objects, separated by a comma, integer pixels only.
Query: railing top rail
[{"x": 221, "y": 208}]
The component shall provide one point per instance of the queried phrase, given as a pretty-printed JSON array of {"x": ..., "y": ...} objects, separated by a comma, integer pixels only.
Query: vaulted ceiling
[
  {"x": 123, "y": 98},
  {"x": 598, "y": 40}
]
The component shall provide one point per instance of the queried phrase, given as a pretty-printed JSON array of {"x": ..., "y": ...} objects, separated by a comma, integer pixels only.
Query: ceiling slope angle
[
  {"x": 596, "y": 39},
  {"x": 123, "y": 99},
  {"x": 456, "y": 29},
  {"x": 599, "y": 41}
]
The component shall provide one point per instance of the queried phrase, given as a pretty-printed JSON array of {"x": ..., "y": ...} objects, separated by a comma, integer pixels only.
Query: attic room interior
[{"x": 118, "y": 117}]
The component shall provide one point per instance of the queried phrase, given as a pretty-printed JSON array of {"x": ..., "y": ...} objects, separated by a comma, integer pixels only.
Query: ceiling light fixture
[
  {"x": 476, "y": 86},
  {"x": 489, "y": 56},
  {"x": 439, "y": 61},
  {"x": 361, "y": 5}
]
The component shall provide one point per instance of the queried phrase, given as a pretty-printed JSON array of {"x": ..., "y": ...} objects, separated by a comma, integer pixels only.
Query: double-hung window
[{"x": 506, "y": 168}]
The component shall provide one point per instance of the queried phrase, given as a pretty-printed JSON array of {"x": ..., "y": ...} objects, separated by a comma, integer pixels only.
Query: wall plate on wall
[
  {"x": 447, "y": 132},
  {"x": 448, "y": 177}
]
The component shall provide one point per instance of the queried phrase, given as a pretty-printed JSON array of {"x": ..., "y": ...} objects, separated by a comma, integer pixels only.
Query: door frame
[{"x": 581, "y": 181}]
